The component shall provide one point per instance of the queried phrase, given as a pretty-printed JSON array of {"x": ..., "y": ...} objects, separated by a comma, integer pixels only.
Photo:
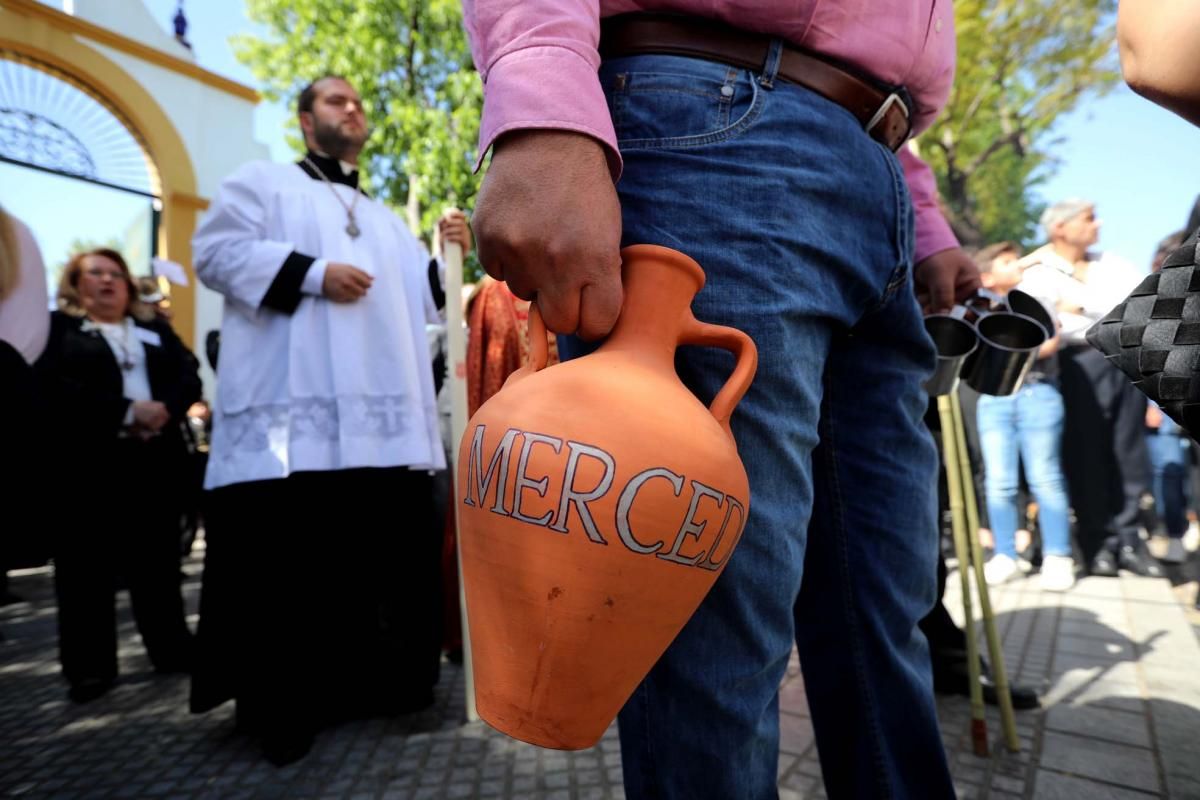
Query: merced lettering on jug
[{"x": 482, "y": 481}]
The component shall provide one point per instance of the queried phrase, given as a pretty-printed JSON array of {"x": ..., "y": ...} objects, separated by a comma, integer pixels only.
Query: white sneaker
[
  {"x": 1191, "y": 539},
  {"x": 1176, "y": 554},
  {"x": 1058, "y": 573},
  {"x": 999, "y": 569}
]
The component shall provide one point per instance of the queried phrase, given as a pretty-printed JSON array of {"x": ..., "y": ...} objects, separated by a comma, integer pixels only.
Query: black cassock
[{"x": 321, "y": 600}]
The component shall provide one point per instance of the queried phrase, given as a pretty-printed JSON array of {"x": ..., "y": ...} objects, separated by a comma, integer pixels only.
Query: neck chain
[
  {"x": 126, "y": 352},
  {"x": 352, "y": 228}
]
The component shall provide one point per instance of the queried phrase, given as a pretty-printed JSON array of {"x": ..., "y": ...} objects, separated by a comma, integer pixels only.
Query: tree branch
[
  {"x": 977, "y": 101},
  {"x": 939, "y": 144},
  {"x": 413, "y": 26},
  {"x": 1012, "y": 138}
]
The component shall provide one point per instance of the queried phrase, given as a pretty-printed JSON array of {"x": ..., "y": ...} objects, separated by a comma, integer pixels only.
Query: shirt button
[
  {"x": 727, "y": 91},
  {"x": 937, "y": 24}
]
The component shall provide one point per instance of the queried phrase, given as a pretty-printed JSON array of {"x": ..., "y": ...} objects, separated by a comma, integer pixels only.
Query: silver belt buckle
[{"x": 892, "y": 99}]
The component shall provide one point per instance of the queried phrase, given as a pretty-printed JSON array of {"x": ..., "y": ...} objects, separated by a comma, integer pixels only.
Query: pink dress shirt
[{"x": 539, "y": 62}]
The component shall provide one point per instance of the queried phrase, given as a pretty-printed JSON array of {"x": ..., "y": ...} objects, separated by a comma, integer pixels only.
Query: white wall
[
  {"x": 217, "y": 129},
  {"x": 130, "y": 18}
]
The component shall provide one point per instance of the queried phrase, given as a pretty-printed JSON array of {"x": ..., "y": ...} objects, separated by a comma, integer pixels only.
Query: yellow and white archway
[{"x": 194, "y": 126}]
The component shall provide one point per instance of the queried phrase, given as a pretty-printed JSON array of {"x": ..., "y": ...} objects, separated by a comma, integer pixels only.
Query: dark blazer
[{"x": 82, "y": 384}]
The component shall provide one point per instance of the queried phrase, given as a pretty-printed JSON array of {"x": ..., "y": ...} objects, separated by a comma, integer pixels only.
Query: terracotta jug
[{"x": 598, "y": 502}]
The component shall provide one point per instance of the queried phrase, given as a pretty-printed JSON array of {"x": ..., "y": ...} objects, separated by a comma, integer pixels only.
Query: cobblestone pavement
[{"x": 1117, "y": 660}]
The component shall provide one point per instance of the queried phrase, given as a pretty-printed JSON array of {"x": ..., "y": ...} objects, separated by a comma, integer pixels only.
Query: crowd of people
[
  {"x": 325, "y": 422},
  {"x": 767, "y": 143},
  {"x": 1077, "y": 439}
]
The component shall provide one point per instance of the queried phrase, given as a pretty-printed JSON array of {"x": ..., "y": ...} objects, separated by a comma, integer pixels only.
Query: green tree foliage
[
  {"x": 1022, "y": 64},
  {"x": 410, "y": 61}
]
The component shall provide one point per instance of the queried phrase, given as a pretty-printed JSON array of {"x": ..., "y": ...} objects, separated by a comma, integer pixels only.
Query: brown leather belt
[{"x": 882, "y": 112}]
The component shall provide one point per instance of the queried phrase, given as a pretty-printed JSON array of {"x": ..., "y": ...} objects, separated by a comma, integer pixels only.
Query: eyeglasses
[{"x": 99, "y": 273}]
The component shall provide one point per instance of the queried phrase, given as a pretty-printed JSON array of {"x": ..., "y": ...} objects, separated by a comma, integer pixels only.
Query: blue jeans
[
  {"x": 1027, "y": 426},
  {"x": 803, "y": 226},
  {"x": 1169, "y": 468}
]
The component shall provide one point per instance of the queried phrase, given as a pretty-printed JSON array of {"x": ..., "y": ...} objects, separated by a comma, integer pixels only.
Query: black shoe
[
  {"x": 1138, "y": 561},
  {"x": 1104, "y": 565},
  {"x": 950, "y": 677},
  {"x": 283, "y": 747},
  {"x": 1023, "y": 697},
  {"x": 88, "y": 689}
]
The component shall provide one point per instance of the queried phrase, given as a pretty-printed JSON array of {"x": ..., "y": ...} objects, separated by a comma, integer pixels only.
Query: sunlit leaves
[
  {"x": 410, "y": 62},
  {"x": 1022, "y": 64}
]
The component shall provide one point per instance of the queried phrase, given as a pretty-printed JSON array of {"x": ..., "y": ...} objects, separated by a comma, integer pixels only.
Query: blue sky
[{"x": 1138, "y": 163}]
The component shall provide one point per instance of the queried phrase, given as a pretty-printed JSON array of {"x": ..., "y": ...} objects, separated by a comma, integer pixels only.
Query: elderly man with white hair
[{"x": 1104, "y": 445}]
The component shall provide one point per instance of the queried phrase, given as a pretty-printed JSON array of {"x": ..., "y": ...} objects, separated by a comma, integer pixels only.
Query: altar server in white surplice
[{"x": 320, "y": 598}]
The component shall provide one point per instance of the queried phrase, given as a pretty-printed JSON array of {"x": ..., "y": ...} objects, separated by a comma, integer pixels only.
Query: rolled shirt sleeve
[{"x": 539, "y": 63}]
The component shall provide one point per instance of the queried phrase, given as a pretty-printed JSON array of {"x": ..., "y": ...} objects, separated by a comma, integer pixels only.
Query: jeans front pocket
[{"x": 676, "y": 102}]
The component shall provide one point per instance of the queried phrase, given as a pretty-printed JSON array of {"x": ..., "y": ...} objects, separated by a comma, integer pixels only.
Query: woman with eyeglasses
[{"x": 119, "y": 383}]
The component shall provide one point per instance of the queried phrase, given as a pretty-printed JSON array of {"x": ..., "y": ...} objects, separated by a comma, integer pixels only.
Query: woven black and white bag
[{"x": 1154, "y": 336}]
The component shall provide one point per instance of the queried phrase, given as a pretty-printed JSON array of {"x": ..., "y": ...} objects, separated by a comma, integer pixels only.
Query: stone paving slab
[
  {"x": 1117, "y": 659},
  {"x": 1100, "y": 723}
]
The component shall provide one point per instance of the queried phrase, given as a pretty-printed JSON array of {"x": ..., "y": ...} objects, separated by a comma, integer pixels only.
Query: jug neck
[{"x": 659, "y": 285}]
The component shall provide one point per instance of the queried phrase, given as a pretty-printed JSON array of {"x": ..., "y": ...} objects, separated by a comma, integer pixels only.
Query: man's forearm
[{"x": 1159, "y": 56}]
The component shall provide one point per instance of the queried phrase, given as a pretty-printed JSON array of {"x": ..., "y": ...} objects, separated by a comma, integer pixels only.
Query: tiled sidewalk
[
  {"x": 1118, "y": 663},
  {"x": 1118, "y": 660}
]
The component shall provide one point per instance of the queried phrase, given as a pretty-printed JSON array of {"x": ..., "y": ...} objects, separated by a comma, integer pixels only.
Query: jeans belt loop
[{"x": 770, "y": 67}]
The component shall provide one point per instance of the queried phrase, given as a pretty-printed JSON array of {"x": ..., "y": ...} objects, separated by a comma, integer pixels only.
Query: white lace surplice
[{"x": 333, "y": 386}]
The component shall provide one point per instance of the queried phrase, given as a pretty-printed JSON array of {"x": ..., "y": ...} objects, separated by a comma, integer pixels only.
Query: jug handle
[
  {"x": 539, "y": 350},
  {"x": 743, "y": 349}
]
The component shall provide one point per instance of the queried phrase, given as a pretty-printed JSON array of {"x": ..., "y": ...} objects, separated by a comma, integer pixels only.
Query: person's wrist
[{"x": 547, "y": 141}]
